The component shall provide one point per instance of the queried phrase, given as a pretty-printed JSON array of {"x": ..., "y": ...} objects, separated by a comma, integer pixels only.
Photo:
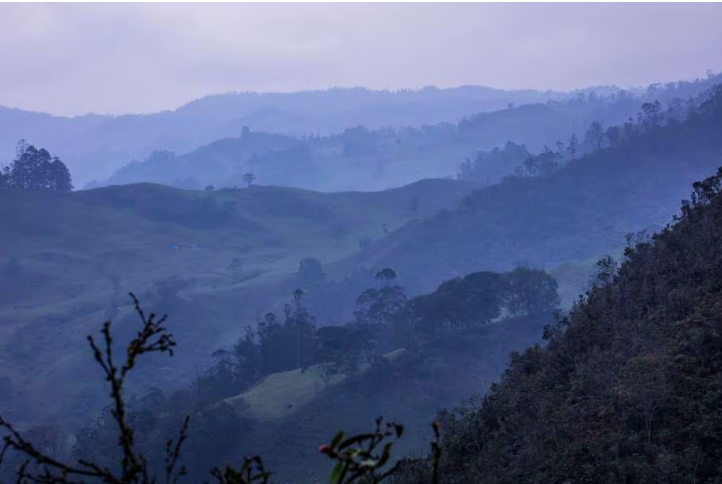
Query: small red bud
[{"x": 324, "y": 449}]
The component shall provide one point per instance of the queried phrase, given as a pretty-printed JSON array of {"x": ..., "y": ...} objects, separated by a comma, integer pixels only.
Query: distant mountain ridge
[
  {"x": 94, "y": 145},
  {"x": 362, "y": 158},
  {"x": 88, "y": 141}
]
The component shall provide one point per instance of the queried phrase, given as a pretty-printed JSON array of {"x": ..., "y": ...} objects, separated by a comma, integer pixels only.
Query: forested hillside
[
  {"x": 290, "y": 382},
  {"x": 362, "y": 158},
  {"x": 627, "y": 387},
  {"x": 554, "y": 212}
]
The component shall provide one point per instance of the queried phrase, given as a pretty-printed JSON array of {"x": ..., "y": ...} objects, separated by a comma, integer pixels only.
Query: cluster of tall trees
[
  {"x": 384, "y": 318},
  {"x": 35, "y": 169}
]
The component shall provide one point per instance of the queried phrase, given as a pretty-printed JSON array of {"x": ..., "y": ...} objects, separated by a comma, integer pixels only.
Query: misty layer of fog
[{"x": 512, "y": 263}]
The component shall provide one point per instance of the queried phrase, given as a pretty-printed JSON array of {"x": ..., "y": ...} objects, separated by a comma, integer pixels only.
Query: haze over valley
[{"x": 523, "y": 280}]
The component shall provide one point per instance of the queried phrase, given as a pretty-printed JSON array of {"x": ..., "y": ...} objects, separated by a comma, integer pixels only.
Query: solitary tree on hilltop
[{"x": 249, "y": 178}]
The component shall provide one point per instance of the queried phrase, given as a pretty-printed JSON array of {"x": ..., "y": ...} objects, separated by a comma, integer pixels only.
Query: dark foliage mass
[
  {"x": 384, "y": 319},
  {"x": 35, "y": 170},
  {"x": 626, "y": 388}
]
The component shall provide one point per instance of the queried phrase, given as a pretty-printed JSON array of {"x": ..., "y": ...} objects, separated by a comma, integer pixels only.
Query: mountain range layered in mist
[{"x": 328, "y": 256}]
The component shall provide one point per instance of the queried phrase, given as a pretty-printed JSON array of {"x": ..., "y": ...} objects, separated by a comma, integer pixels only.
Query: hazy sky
[{"x": 115, "y": 58}]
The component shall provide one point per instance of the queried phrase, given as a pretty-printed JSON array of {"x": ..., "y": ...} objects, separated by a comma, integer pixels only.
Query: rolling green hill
[{"x": 68, "y": 258}]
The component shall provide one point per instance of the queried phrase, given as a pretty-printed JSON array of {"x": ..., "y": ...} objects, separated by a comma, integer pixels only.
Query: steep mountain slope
[
  {"x": 220, "y": 257},
  {"x": 577, "y": 212},
  {"x": 628, "y": 387}
]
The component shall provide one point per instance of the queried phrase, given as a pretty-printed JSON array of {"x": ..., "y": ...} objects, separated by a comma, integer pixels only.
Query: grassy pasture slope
[{"x": 67, "y": 260}]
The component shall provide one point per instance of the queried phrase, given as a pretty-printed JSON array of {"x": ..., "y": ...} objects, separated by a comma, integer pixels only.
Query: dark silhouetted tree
[
  {"x": 58, "y": 176},
  {"x": 542, "y": 164},
  {"x": 35, "y": 169},
  {"x": 652, "y": 115},
  {"x": 530, "y": 292},
  {"x": 594, "y": 137},
  {"x": 301, "y": 324},
  {"x": 381, "y": 305},
  {"x": 573, "y": 146},
  {"x": 249, "y": 178},
  {"x": 458, "y": 304},
  {"x": 614, "y": 135}
]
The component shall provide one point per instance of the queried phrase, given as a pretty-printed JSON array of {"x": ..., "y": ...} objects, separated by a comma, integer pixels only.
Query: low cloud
[{"x": 116, "y": 58}]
